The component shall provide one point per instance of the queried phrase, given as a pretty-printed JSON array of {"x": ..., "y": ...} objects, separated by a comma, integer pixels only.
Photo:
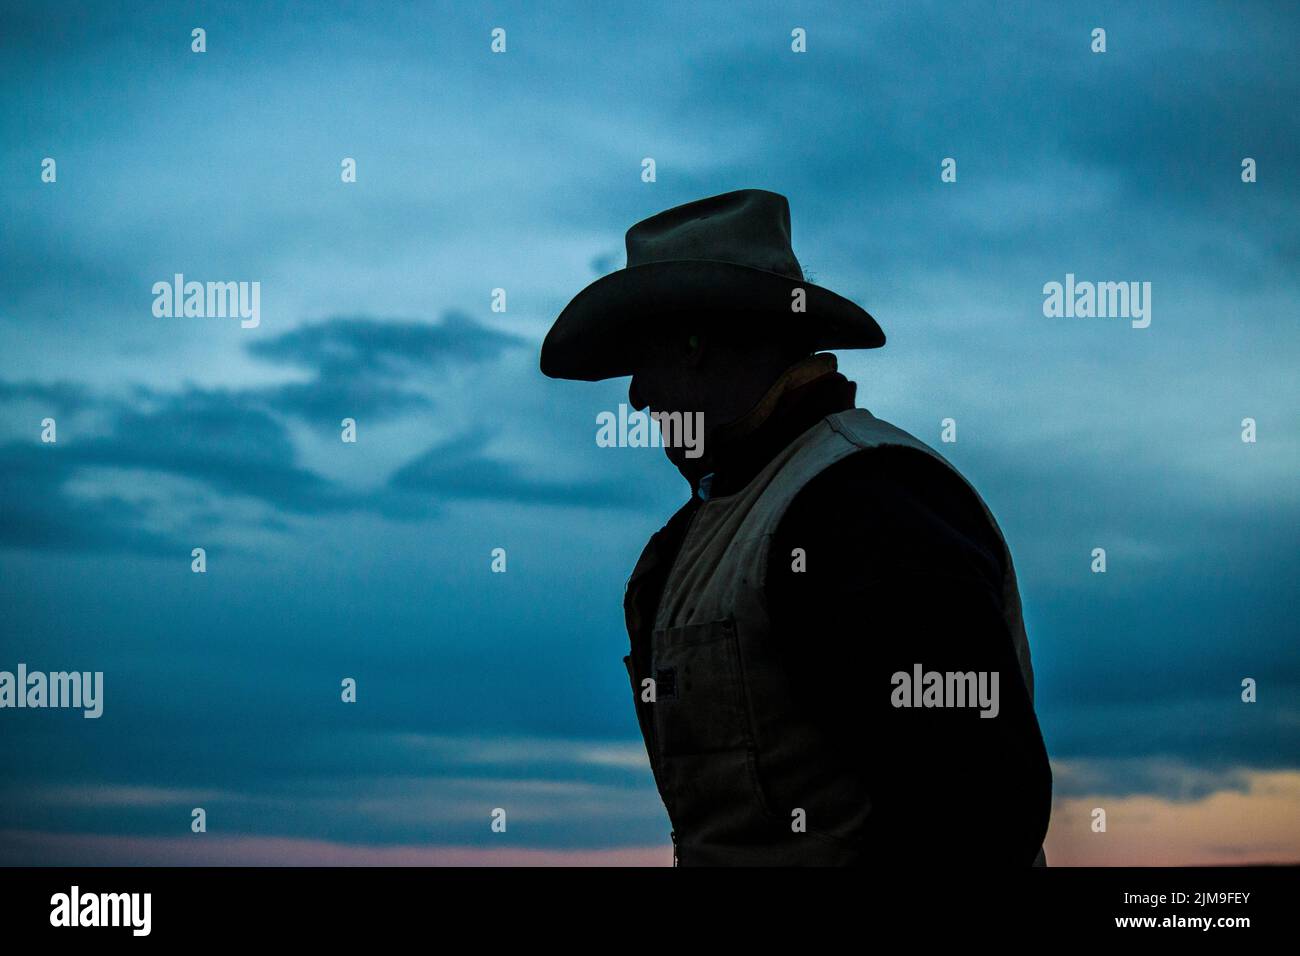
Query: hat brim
[{"x": 601, "y": 332}]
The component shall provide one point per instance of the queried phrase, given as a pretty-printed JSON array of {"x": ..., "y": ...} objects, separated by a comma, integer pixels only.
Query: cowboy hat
[{"x": 727, "y": 259}]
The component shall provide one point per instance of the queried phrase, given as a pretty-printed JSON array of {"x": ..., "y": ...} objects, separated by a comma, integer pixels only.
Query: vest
[{"x": 731, "y": 754}]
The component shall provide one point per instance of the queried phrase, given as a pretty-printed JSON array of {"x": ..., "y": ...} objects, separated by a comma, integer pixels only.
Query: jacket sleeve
[{"x": 901, "y": 568}]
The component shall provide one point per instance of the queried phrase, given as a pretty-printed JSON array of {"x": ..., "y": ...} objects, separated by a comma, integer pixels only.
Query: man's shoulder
[
  {"x": 889, "y": 476},
  {"x": 898, "y": 499}
]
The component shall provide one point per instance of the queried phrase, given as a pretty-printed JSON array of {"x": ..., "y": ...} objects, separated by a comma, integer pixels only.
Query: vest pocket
[{"x": 699, "y": 692}]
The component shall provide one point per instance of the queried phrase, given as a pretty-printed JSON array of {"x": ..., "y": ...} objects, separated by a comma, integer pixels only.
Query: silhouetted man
[{"x": 828, "y": 660}]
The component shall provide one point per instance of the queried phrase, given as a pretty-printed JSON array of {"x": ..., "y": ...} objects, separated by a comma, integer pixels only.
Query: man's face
[
  {"x": 669, "y": 377},
  {"x": 717, "y": 377}
]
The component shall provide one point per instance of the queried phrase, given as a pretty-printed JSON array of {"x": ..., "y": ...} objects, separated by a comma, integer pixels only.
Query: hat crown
[{"x": 748, "y": 227}]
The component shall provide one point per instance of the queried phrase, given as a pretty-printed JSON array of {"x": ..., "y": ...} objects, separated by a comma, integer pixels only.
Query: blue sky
[{"x": 522, "y": 171}]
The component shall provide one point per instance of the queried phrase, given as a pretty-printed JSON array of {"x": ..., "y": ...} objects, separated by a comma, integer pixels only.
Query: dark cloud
[
  {"x": 1170, "y": 722},
  {"x": 361, "y": 345},
  {"x": 39, "y": 516},
  {"x": 333, "y": 396},
  {"x": 459, "y": 469},
  {"x": 235, "y": 440},
  {"x": 1151, "y": 775},
  {"x": 61, "y": 398},
  {"x": 373, "y": 367},
  {"x": 219, "y": 438}
]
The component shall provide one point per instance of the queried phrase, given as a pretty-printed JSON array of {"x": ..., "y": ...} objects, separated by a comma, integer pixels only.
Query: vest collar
[{"x": 807, "y": 392}]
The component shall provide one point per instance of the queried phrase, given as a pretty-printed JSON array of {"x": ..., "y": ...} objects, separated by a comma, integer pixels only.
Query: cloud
[
  {"x": 458, "y": 468},
  {"x": 216, "y": 439},
  {"x": 1257, "y": 821},
  {"x": 59, "y": 398},
  {"x": 364, "y": 345},
  {"x": 39, "y": 516},
  {"x": 373, "y": 368},
  {"x": 410, "y": 788},
  {"x": 235, "y": 441},
  {"x": 1169, "y": 779}
]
